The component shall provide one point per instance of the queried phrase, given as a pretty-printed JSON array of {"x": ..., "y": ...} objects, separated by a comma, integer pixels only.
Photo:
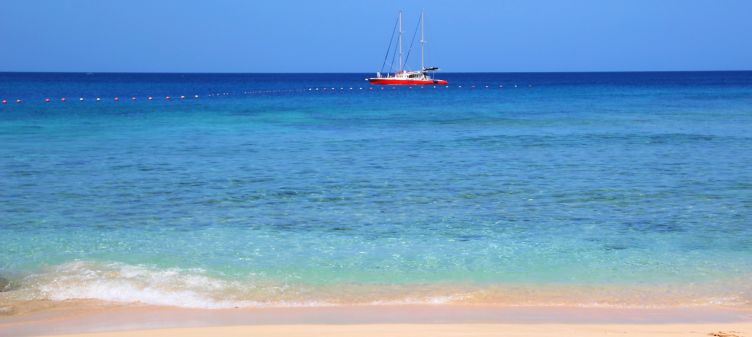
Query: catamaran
[{"x": 402, "y": 76}]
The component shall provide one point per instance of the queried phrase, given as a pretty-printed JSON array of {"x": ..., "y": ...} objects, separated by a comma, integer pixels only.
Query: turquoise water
[{"x": 627, "y": 189}]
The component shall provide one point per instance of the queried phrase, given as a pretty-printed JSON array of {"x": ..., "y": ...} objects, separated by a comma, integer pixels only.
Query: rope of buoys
[{"x": 284, "y": 91}]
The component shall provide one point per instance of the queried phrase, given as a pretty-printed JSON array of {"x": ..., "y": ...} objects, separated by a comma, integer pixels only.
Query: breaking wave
[{"x": 198, "y": 288}]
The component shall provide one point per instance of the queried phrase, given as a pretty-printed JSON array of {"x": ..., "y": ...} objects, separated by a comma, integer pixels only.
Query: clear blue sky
[{"x": 351, "y": 36}]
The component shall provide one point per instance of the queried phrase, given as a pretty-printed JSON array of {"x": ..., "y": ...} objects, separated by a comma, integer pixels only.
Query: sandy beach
[
  {"x": 373, "y": 321},
  {"x": 447, "y": 330}
]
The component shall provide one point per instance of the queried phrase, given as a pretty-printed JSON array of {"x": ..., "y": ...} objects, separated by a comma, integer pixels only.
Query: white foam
[
  {"x": 116, "y": 282},
  {"x": 188, "y": 288}
]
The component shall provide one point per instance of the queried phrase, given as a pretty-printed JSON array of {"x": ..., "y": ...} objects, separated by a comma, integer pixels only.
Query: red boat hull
[{"x": 395, "y": 81}]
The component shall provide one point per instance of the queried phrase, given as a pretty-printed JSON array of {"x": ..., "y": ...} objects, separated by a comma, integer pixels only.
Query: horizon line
[{"x": 359, "y": 73}]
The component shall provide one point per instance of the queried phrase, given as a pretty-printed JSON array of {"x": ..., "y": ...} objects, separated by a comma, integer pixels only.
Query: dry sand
[
  {"x": 448, "y": 330},
  {"x": 96, "y": 320}
]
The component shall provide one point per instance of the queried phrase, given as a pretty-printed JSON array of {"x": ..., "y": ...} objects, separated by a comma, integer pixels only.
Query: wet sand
[{"x": 372, "y": 321}]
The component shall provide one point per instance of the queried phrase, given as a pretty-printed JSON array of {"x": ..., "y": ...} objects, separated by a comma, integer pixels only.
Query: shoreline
[
  {"x": 393, "y": 320},
  {"x": 438, "y": 330}
]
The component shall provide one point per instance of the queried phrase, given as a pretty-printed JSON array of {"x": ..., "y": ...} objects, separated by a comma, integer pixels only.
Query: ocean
[{"x": 585, "y": 189}]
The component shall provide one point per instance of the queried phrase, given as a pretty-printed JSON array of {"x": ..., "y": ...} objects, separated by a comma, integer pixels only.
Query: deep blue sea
[{"x": 626, "y": 189}]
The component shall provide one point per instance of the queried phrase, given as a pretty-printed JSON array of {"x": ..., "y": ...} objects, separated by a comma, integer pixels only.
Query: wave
[
  {"x": 197, "y": 288},
  {"x": 124, "y": 283},
  {"x": 188, "y": 288}
]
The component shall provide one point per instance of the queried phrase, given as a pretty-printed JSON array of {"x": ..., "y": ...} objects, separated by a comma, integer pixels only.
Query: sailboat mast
[
  {"x": 422, "y": 41},
  {"x": 401, "y": 65}
]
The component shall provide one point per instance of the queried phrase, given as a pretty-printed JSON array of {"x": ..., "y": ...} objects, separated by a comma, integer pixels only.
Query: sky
[{"x": 352, "y": 35}]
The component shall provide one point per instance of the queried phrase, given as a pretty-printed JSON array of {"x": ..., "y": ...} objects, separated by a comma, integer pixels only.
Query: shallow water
[{"x": 614, "y": 188}]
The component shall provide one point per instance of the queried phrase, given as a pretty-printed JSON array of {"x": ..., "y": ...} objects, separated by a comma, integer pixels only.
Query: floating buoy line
[{"x": 178, "y": 98}]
